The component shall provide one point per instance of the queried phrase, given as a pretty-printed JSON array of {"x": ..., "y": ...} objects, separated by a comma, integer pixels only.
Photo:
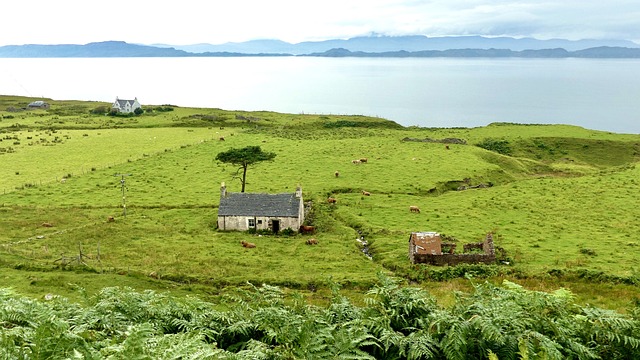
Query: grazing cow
[
  {"x": 247, "y": 244},
  {"x": 357, "y": 162},
  {"x": 46, "y": 224},
  {"x": 337, "y": 173},
  {"x": 446, "y": 147},
  {"x": 366, "y": 193},
  {"x": 312, "y": 241},
  {"x": 111, "y": 219},
  {"x": 307, "y": 229},
  {"x": 363, "y": 160},
  {"x": 221, "y": 138},
  {"x": 332, "y": 200},
  {"x": 414, "y": 209}
]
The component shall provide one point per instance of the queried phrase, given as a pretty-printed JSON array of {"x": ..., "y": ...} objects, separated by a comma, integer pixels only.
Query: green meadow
[{"x": 562, "y": 202}]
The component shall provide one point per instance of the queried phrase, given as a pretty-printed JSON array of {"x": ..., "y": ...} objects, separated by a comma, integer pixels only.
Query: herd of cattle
[
  {"x": 332, "y": 200},
  {"x": 308, "y": 229},
  {"x": 359, "y": 161}
]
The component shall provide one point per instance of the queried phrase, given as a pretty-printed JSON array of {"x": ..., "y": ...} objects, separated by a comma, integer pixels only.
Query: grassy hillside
[{"x": 561, "y": 200}]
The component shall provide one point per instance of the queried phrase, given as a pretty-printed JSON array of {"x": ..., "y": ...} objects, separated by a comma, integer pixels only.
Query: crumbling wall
[
  {"x": 453, "y": 259},
  {"x": 488, "y": 256}
]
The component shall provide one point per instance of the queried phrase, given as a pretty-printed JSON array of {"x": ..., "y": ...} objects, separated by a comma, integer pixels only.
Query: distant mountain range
[
  {"x": 601, "y": 52},
  {"x": 377, "y": 44},
  {"x": 373, "y": 46}
]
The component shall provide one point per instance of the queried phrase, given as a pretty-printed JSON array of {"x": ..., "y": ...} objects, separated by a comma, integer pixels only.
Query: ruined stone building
[{"x": 428, "y": 248}]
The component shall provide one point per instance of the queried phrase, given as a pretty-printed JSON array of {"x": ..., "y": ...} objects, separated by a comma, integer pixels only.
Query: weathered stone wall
[
  {"x": 443, "y": 141},
  {"x": 488, "y": 256},
  {"x": 453, "y": 259},
  {"x": 241, "y": 223}
]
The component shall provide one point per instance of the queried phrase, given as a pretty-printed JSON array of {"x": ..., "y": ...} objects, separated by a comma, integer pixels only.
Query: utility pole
[{"x": 122, "y": 185}]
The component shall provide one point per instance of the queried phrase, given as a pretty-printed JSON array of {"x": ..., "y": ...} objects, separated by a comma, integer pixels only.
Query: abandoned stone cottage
[
  {"x": 428, "y": 248},
  {"x": 275, "y": 212}
]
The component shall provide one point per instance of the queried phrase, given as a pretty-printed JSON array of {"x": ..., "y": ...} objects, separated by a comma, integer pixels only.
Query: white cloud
[{"x": 196, "y": 21}]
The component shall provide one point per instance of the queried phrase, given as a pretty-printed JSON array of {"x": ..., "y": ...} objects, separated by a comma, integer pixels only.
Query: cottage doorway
[{"x": 275, "y": 226}]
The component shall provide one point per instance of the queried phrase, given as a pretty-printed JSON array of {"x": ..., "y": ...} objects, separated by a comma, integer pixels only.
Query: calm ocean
[{"x": 436, "y": 92}]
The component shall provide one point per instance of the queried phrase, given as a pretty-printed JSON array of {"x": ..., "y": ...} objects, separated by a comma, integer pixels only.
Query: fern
[
  {"x": 397, "y": 322},
  {"x": 455, "y": 341},
  {"x": 419, "y": 345}
]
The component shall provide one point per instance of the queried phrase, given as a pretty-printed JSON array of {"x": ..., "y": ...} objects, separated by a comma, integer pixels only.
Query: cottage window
[
  {"x": 259, "y": 222},
  {"x": 252, "y": 223}
]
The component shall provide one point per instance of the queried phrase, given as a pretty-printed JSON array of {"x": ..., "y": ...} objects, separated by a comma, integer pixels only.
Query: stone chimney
[
  {"x": 299, "y": 192},
  {"x": 223, "y": 190}
]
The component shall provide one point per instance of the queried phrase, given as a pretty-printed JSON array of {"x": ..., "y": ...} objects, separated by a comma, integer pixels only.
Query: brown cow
[
  {"x": 312, "y": 241},
  {"x": 307, "y": 229},
  {"x": 446, "y": 147},
  {"x": 366, "y": 193},
  {"x": 337, "y": 173},
  {"x": 247, "y": 244},
  {"x": 332, "y": 200},
  {"x": 414, "y": 209},
  {"x": 111, "y": 219},
  {"x": 221, "y": 138},
  {"x": 363, "y": 160}
]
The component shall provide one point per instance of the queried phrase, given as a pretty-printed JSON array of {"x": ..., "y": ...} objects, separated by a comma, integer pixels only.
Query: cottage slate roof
[
  {"x": 256, "y": 204},
  {"x": 122, "y": 103}
]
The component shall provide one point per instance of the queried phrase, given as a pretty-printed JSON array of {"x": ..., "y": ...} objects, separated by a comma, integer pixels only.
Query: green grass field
[{"x": 563, "y": 201}]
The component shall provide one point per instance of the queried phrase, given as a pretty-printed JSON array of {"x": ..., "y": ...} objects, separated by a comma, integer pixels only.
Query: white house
[
  {"x": 125, "y": 106},
  {"x": 275, "y": 212}
]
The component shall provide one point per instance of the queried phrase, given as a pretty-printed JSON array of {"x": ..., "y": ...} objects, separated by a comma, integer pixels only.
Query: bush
[
  {"x": 422, "y": 272},
  {"x": 342, "y": 123},
  {"x": 100, "y": 110},
  {"x": 163, "y": 108},
  {"x": 495, "y": 145},
  {"x": 264, "y": 232},
  {"x": 587, "y": 251}
]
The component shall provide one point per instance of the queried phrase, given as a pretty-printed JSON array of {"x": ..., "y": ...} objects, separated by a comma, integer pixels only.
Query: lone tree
[{"x": 244, "y": 157}]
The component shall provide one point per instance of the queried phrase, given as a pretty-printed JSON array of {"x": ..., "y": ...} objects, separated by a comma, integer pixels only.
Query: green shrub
[
  {"x": 100, "y": 110},
  {"x": 495, "y": 145}
]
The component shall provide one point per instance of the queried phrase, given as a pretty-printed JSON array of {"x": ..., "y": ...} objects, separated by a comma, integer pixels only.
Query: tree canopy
[{"x": 244, "y": 157}]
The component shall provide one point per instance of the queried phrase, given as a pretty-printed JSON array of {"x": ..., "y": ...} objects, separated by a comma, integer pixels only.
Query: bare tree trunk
[{"x": 244, "y": 176}]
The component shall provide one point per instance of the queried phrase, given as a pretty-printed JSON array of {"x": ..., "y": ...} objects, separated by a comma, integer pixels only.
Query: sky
[{"x": 188, "y": 22}]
